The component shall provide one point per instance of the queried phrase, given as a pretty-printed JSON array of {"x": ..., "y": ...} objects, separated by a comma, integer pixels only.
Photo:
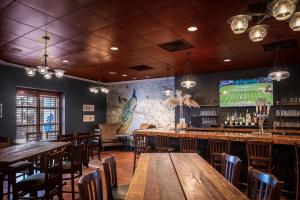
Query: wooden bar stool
[
  {"x": 140, "y": 143},
  {"x": 91, "y": 182},
  {"x": 259, "y": 155},
  {"x": 216, "y": 148},
  {"x": 263, "y": 186},
  {"x": 231, "y": 168},
  {"x": 188, "y": 145},
  {"x": 162, "y": 144}
]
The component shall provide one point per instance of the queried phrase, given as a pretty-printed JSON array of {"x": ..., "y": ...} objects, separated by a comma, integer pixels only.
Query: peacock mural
[{"x": 126, "y": 115}]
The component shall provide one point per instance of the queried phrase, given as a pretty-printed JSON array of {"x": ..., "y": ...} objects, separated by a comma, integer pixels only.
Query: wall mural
[{"x": 140, "y": 102}]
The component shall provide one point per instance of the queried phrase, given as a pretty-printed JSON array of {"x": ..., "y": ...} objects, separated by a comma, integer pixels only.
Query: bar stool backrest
[
  {"x": 90, "y": 186},
  {"x": 231, "y": 168},
  {"x": 161, "y": 142},
  {"x": 140, "y": 141},
  {"x": 188, "y": 145},
  {"x": 219, "y": 146},
  {"x": 263, "y": 186},
  {"x": 110, "y": 172}
]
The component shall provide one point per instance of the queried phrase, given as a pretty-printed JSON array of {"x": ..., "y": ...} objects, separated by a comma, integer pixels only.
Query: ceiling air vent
[
  {"x": 286, "y": 44},
  {"x": 176, "y": 45},
  {"x": 141, "y": 68}
]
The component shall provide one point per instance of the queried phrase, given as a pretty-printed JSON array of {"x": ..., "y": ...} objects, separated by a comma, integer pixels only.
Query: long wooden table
[{"x": 179, "y": 176}]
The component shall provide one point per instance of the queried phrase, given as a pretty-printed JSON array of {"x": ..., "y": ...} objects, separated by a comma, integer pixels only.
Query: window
[{"x": 37, "y": 112}]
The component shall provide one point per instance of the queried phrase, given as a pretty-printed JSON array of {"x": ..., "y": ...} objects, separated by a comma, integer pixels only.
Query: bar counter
[{"x": 241, "y": 136}]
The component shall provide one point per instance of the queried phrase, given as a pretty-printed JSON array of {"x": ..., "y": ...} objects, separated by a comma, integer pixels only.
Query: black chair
[
  {"x": 90, "y": 186},
  {"x": 231, "y": 168},
  {"x": 114, "y": 191},
  {"x": 83, "y": 138},
  {"x": 140, "y": 146},
  {"x": 94, "y": 144},
  {"x": 263, "y": 186}
]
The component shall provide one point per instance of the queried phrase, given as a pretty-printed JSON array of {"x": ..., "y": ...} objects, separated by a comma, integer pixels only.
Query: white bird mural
[{"x": 181, "y": 100}]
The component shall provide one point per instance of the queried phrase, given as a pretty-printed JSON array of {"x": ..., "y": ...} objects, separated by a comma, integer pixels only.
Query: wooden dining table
[{"x": 179, "y": 176}]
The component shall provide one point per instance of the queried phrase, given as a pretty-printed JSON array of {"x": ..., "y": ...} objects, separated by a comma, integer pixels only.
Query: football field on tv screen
[{"x": 245, "y": 94}]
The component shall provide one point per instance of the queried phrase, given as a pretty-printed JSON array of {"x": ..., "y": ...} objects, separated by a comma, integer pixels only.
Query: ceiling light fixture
[
  {"x": 112, "y": 73},
  {"x": 279, "y": 72},
  {"x": 44, "y": 69},
  {"x": 65, "y": 61},
  {"x": 227, "y": 60},
  {"x": 192, "y": 28},
  {"x": 99, "y": 87},
  {"x": 187, "y": 80},
  {"x": 167, "y": 89},
  {"x": 279, "y": 9},
  {"x": 114, "y": 48},
  {"x": 124, "y": 75}
]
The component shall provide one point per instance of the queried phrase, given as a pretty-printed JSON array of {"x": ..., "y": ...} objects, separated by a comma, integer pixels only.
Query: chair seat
[
  {"x": 19, "y": 167},
  {"x": 35, "y": 181},
  {"x": 120, "y": 192}
]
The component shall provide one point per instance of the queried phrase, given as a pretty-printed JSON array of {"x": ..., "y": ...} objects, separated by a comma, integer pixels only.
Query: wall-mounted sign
[
  {"x": 88, "y": 118},
  {"x": 88, "y": 108}
]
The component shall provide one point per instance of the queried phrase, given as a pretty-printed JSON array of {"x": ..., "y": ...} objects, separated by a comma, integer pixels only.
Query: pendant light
[
  {"x": 295, "y": 22},
  {"x": 187, "y": 81},
  {"x": 30, "y": 71},
  {"x": 167, "y": 90},
  {"x": 279, "y": 72},
  {"x": 258, "y": 33},
  {"x": 99, "y": 86},
  {"x": 282, "y": 9},
  {"x": 239, "y": 23}
]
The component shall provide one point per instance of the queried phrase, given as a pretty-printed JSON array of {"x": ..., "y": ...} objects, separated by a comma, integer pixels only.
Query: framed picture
[
  {"x": 0, "y": 110},
  {"x": 88, "y": 118},
  {"x": 88, "y": 108}
]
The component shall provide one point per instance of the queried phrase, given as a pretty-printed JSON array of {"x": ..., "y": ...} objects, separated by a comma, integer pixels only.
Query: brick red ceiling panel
[{"x": 83, "y": 31}]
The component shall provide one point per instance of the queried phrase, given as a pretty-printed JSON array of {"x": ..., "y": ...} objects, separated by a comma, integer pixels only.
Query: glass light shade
[
  {"x": 59, "y": 73},
  {"x": 30, "y": 71},
  {"x": 42, "y": 69},
  {"x": 239, "y": 23},
  {"x": 188, "y": 84},
  {"x": 295, "y": 22},
  {"x": 258, "y": 33},
  {"x": 167, "y": 92},
  {"x": 283, "y": 9},
  {"x": 279, "y": 75},
  {"x": 94, "y": 90},
  {"x": 48, "y": 75},
  {"x": 104, "y": 90}
]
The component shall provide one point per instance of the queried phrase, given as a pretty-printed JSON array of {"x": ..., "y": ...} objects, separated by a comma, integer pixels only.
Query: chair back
[
  {"x": 161, "y": 143},
  {"x": 259, "y": 154},
  {"x": 188, "y": 145},
  {"x": 83, "y": 138},
  {"x": 77, "y": 156},
  {"x": 297, "y": 151},
  {"x": 110, "y": 172},
  {"x": 263, "y": 186},
  {"x": 140, "y": 141},
  {"x": 217, "y": 147},
  {"x": 90, "y": 186},
  {"x": 65, "y": 138},
  {"x": 231, "y": 168}
]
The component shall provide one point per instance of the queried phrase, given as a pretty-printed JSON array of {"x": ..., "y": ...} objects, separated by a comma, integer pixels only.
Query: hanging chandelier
[
  {"x": 44, "y": 69},
  {"x": 188, "y": 82},
  {"x": 99, "y": 87},
  {"x": 279, "y": 9},
  {"x": 279, "y": 72},
  {"x": 167, "y": 90}
]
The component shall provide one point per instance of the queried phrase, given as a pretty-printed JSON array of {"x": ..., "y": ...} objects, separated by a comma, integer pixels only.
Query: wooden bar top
[
  {"x": 179, "y": 176},
  {"x": 233, "y": 136}
]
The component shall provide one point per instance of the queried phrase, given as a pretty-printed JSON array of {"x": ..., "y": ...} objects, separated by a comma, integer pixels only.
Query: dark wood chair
[
  {"x": 66, "y": 138},
  {"x": 162, "y": 144},
  {"x": 83, "y": 138},
  {"x": 140, "y": 143},
  {"x": 297, "y": 168},
  {"x": 72, "y": 165},
  {"x": 263, "y": 186},
  {"x": 50, "y": 181},
  {"x": 216, "y": 148},
  {"x": 90, "y": 186},
  {"x": 188, "y": 145},
  {"x": 259, "y": 155},
  {"x": 114, "y": 191},
  {"x": 94, "y": 144},
  {"x": 231, "y": 168}
]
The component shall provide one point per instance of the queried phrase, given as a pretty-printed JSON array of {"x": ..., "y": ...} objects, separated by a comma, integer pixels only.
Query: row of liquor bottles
[
  {"x": 288, "y": 113},
  {"x": 246, "y": 119}
]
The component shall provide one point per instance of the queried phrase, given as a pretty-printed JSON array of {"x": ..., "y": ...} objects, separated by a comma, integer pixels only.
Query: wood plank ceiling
[{"x": 83, "y": 31}]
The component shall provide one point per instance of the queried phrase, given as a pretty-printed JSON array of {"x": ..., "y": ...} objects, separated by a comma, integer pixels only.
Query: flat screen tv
[{"x": 243, "y": 93}]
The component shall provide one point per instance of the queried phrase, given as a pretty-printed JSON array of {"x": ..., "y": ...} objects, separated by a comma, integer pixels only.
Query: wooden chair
[
  {"x": 114, "y": 191},
  {"x": 231, "y": 168},
  {"x": 188, "y": 145},
  {"x": 140, "y": 143},
  {"x": 297, "y": 168},
  {"x": 263, "y": 186},
  {"x": 72, "y": 166},
  {"x": 50, "y": 181},
  {"x": 259, "y": 155},
  {"x": 94, "y": 143},
  {"x": 162, "y": 144},
  {"x": 83, "y": 138},
  {"x": 66, "y": 138},
  {"x": 217, "y": 147},
  {"x": 90, "y": 186}
]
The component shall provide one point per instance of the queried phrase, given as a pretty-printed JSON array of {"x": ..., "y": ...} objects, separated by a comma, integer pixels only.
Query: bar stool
[
  {"x": 263, "y": 186},
  {"x": 216, "y": 148},
  {"x": 161, "y": 144},
  {"x": 140, "y": 143},
  {"x": 188, "y": 145},
  {"x": 231, "y": 168},
  {"x": 259, "y": 154}
]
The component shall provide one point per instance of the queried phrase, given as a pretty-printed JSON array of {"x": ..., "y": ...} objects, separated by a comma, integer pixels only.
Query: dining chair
[
  {"x": 162, "y": 144},
  {"x": 114, "y": 191},
  {"x": 263, "y": 186},
  {"x": 141, "y": 145},
  {"x": 49, "y": 181},
  {"x": 259, "y": 155},
  {"x": 83, "y": 138},
  {"x": 188, "y": 145},
  {"x": 217, "y": 147},
  {"x": 231, "y": 168},
  {"x": 94, "y": 144},
  {"x": 90, "y": 186},
  {"x": 72, "y": 166}
]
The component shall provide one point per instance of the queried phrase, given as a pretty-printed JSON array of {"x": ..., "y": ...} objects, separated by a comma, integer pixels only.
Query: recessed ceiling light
[
  {"x": 114, "y": 48},
  {"x": 134, "y": 78},
  {"x": 112, "y": 73},
  {"x": 192, "y": 28},
  {"x": 227, "y": 60},
  {"x": 124, "y": 75},
  {"x": 65, "y": 61},
  {"x": 147, "y": 76}
]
